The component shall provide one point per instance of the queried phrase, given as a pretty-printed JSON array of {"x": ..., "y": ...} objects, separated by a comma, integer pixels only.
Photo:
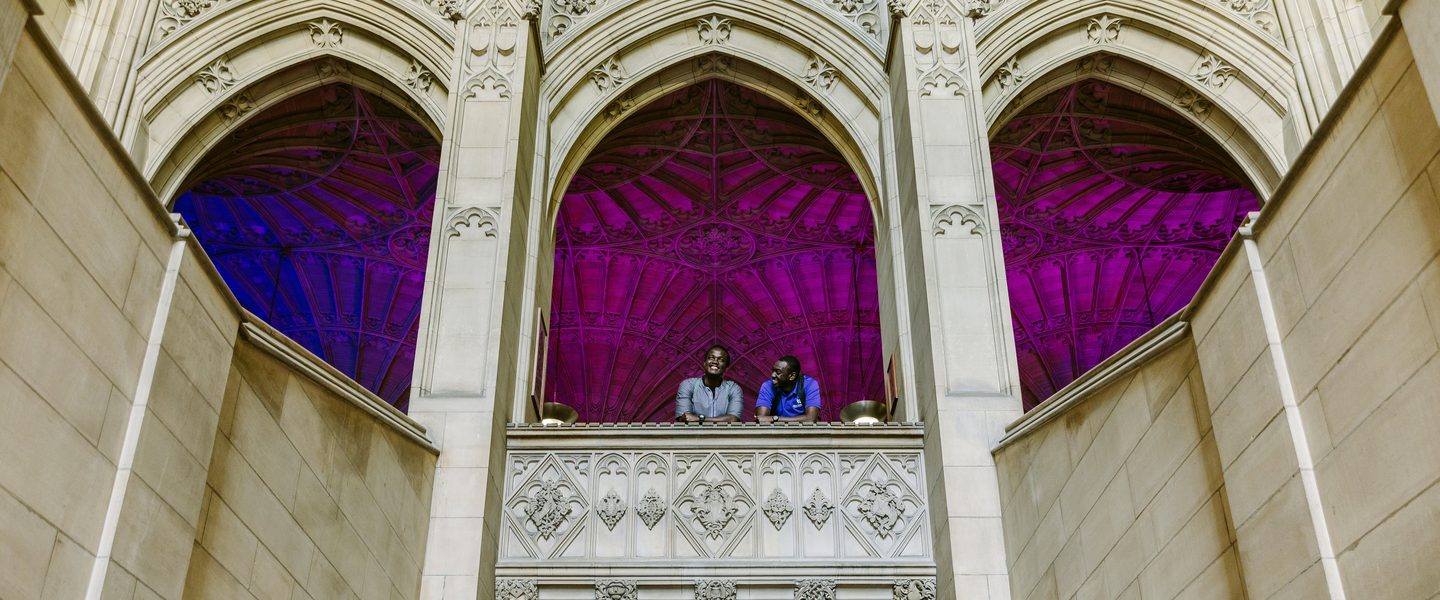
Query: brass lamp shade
[
  {"x": 863, "y": 412},
  {"x": 555, "y": 413}
]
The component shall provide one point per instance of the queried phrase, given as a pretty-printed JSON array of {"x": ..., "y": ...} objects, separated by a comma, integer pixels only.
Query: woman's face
[{"x": 715, "y": 361}]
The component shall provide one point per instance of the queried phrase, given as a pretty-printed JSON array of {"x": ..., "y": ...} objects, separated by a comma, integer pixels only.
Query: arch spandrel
[
  {"x": 1194, "y": 54},
  {"x": 168, "y": 171},
  {"x": 183, "y": 83}
]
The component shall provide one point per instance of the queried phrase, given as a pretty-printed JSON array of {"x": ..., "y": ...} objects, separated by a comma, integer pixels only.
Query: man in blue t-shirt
[{"x": 789, "y": 395}]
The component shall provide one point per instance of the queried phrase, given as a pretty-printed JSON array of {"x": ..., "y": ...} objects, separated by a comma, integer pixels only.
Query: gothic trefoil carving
[
  {"x": 954, "y": 220},
  {"x": 713, "y": 30},
  {"x": 325, "y": 33},
  {"x": 818, "y": 509},
  {"x": 1212, "y": 71},
  {"x": 609, "y": 75},
  {"x": 820, "y": 74},
  {"x": 516, "y": 588},
  {"x": 615, "y": 589},
  {"x": 815, "y": 589},
  {"x": 777, "y": 508},
  {"x": 914, "y": 589},
  {"x": 175, "y": 14},
  {"x": 491, "y": 61},
  {"x": 216, "y": 77},
  {"x": 418, "y": 78},
  {"x": 473, "y": 220},
  {"x": 715, "y": 589},
  {"x": 1104, "y": 29},
  {"x": 650, "y": 509},
  {"x": 610, "y": 508}
]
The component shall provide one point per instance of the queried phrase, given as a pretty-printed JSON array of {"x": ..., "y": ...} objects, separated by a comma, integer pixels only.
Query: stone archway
[{"x": 714, "y": 214}]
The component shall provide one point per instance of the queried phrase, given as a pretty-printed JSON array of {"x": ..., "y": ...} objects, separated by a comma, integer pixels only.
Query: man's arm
[
  {"x": 734, "y": 403},
  {"x": 812, "y": 404},
  {"x": 762, "y": 404},
  {"x": 683, "y": 403},
  {"x": 812, "y": 414}
]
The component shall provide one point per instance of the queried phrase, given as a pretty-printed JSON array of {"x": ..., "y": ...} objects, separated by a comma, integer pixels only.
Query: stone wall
[
  {"x": 116, "y": 368},
  {"x": 1312, "y": 352},
  {"x": 1122, "y": 496}
]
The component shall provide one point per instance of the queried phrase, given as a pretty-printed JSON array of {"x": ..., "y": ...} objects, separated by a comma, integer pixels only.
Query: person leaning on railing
[
  {"x": 710, "y": 398},
  {"x": 790, "y": 395}
]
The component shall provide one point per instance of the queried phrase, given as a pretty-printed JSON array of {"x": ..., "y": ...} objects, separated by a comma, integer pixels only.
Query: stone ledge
[{"x": 531, "y": 436}]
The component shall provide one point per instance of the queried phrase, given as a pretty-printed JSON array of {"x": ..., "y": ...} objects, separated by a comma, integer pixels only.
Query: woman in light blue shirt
[{"x": 710, "y": 398}]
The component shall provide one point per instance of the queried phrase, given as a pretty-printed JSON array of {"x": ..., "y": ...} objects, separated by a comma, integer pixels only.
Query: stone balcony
[{"x": 776, "y": 511}]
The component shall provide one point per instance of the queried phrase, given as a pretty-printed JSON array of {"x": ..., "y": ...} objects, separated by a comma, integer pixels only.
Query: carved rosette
[
  {"x": 515, "y": 588},
  {"x": 818, "y": 509},
  {"x": 913, "y": 589},
  {"x": 815, "y": 589},
  {"x": 611, "y": 509},
  {"x": 777, "y": 508},
  {"x": 615, "y": 589},
  {"x": 715, "y": 589}
]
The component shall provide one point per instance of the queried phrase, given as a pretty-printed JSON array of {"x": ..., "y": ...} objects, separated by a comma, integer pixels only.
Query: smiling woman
[
  {"x": 317, "y": 213},
  {"x": 713, "y": 215}
]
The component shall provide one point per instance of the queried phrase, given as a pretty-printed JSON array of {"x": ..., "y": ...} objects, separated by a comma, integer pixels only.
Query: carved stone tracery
[
  {"x": 815, "y": 589},
  {"x": 507, "y": 588}
]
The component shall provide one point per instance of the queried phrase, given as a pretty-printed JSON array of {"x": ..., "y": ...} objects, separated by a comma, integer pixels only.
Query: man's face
[
  {"x": 781, "y": 374},
  {"x": 715, "y": 361}
]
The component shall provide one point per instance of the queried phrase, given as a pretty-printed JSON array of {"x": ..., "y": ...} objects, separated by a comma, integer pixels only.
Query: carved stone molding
[
  {"x": 715, "y": 589},
  {"x": 1212, "y": 71},
  {"x": 609, "y": 74},
  {"x": 615, "y": 589},
  {"x": 914, "y": 589},
  {"x": 820, "y": 74},
  {"x": 494, "y": 34},
  {"x": 516, "y": 588},
  {"x": 818, "y": 509},
  {"x": 418, "y": 78},
  {"x": 1104, "y": 29},
  {"x": 713, "y": 30},
  {"x": 176, "y": 14},
  {"x": 472, "y": 221},
  {"x": 815, "y": 589},
  {"x": 610, "y": 508},
  {"x": 325, "y": 33},
  {"x": 216, "y": 77},
  {"x": 777, "y": 508},
  {"x": 899, "y": 9}
]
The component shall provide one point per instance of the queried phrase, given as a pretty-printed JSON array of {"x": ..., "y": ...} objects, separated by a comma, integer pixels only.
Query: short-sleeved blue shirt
[{"x": 789, "y": 405}]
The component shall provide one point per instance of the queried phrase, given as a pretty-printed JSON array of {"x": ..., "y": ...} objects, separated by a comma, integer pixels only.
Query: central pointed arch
[{"x": 714, "y": 214}]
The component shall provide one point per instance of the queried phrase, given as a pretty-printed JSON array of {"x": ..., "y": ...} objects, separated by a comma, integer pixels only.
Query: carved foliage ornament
[
  {"x": 418, "y": 78},
  {"x": 715, "y": 589},
  {"x": 516, "y": 589},
  {"x": 714, "y": 508},
  {"x": 216, "y": 77},
  {"x": 651, "y": 508},
  {"x": 914, "y": 589},
  {"x": 777, "y": 508},
  {"x": 609, "y": 75},
  {"x": 615, "y": 589},
  {"x": 611, "y": 509},
  {"x": 882, "y": 509},
  {"x": 1193, "y": 103},
  {"x": 865, "y": 14},
  {"x": 815, "y": 589},
  {"x": 564, "y": 14},
  {"x": 713, "y": 30},
  {"x": 820, "y": 74},
  {"x": 1212, "y": 71},
  {"x": 818, "y": 509},
  {"x": 175, "y": 14},
  {"x": 237, "y": 107},
  {"x": 1104, "y": 29},
  {"x": 1259, "y": 12},
  {"x": 1009, "y": 74},
  {"x": 326, "y": 33},
  {"x": 549, "y": 508}
]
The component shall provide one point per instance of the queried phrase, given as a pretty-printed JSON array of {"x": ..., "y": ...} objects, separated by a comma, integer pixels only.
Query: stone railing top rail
[{"x": 716, "y": 435}]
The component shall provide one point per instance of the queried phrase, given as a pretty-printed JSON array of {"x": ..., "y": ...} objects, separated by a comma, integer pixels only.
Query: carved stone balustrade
[{"x": 668, "y": 506}]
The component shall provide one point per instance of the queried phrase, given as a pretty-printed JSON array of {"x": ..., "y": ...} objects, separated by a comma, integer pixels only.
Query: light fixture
[
  {"x": 556, "y": 413},
  {"x": 863, "y": 412}
]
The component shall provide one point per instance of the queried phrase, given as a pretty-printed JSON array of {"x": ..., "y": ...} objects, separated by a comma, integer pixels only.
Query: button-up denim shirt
[{"x": 695, "y": 397}]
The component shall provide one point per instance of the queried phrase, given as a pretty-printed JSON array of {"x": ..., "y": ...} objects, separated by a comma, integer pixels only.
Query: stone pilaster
[
  {"x": 969, "y": 389},
  {"x": 1421, "y": 20},
  {"x": 482, "y": 211},
  {"x": 13, "y": 16}
]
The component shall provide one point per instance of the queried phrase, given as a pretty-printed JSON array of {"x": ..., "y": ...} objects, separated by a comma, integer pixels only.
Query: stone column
[
  {"x": 1421, "y": 20},
  {"x": 482, "y": 207},
  {"x": 946, "y": 205}
]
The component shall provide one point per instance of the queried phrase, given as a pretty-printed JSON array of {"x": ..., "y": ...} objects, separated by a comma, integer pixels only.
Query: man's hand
[
  {"x": 764, "y": 419},
  {"x": 690, "y": 417}
]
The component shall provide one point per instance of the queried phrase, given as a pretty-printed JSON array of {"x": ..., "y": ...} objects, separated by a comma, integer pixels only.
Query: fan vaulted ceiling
[
  {"x": 317, "y": 213},
  {"x": 1113, "y": 210},
  {"x": 714, "y": 214}
]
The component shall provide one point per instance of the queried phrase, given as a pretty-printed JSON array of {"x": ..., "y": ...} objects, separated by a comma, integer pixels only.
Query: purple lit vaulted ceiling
[
  {"x": 714, "y": 214},
  {"x": 317, "y": 213},
  {"x": 1113, "y": 210}
]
